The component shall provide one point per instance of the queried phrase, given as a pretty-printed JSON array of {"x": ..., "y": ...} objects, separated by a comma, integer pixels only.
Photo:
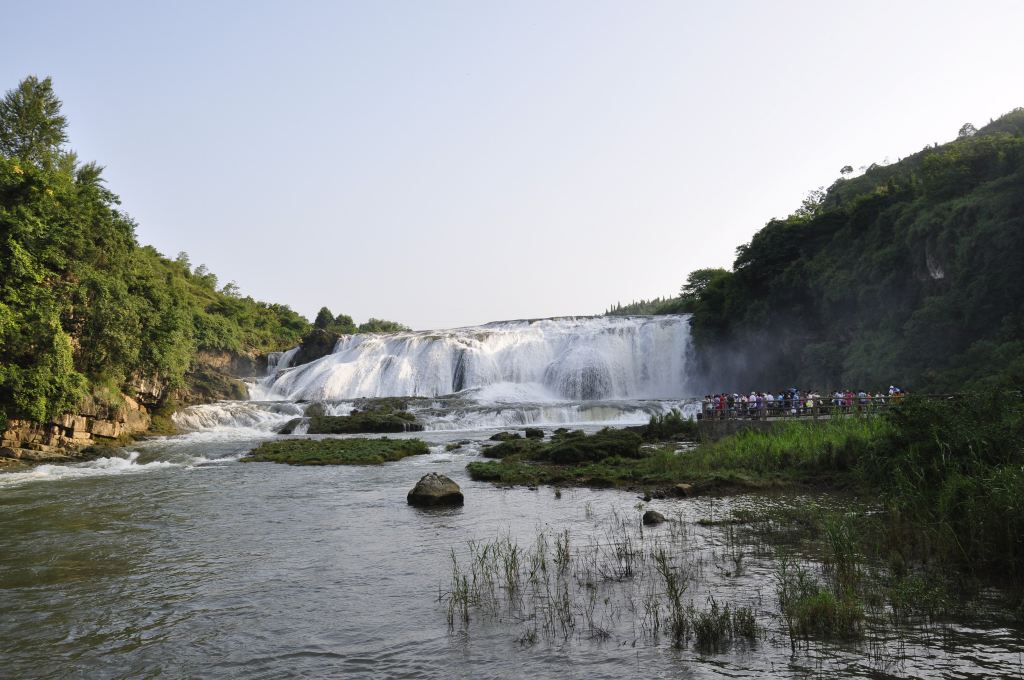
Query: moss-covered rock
[
  {"x": 364, "y": 423},
  {"x": 505, "y": 436},
  {"x": 315, "y": 409},
  {"x": 604, "y": 444},
  {"x": 336, "y": 451},
  {"x": 534, "y": 433},
  {"x": 381, "y": 421},
  {"x": 513, "y": 447}
]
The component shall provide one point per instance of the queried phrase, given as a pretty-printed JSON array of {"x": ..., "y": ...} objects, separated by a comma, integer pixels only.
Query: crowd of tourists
[{"x": 795, "y": 402}]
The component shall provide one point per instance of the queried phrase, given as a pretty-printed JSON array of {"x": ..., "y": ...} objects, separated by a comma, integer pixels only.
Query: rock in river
[
  {"x": 435, "y": 489},
  {"x": 653, "y": 517}
]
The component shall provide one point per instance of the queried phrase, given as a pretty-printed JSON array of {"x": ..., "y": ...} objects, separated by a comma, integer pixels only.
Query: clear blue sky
[{"x": 449, "y": 163}]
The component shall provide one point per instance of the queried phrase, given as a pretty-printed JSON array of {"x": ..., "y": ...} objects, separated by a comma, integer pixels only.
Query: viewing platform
[{"x": 717, "y": 422}]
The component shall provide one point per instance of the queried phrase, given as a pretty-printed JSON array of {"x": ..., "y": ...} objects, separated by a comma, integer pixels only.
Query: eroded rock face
[
  {"x": 69, "y": 434},
  {"x": 434, "y": 490}
]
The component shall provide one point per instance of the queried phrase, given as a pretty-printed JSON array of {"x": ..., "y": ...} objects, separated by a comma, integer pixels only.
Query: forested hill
[
  {"x": 910, "y": 273},
  {"x": 83, "y": 307},
  {"x": 86, "y": 313}
]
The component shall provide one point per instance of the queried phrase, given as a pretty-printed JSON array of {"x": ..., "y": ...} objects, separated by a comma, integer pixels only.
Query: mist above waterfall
[{"x": 575, "y": 358}]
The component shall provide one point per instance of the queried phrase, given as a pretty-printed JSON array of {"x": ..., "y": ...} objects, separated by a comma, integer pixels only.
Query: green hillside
[
  {"x": 83, "y": 307},
  {"x": 910, "y": 273}
]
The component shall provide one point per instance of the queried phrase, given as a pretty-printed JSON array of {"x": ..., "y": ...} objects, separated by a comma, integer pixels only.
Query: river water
[{"x": 175, "y": 560}]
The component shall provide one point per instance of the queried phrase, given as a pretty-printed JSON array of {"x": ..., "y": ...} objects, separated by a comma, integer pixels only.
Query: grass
[
  {"x": 792, "y": 453},
  {"x": 715, "y": 627},
  {"x": 336, "y": 451},
  {"x": 949, "y": 473},
  {"x": 618, "y": 583},
  {"x": 946, "y": 478}
]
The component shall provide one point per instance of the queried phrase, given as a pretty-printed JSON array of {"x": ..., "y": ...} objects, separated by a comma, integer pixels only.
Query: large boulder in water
[
  {"x": 652, "y": 517},
  {"x": 435, "y": 489}
]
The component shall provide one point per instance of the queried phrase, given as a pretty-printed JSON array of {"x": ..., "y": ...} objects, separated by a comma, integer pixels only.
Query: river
[{"x": 175, "y": 560}]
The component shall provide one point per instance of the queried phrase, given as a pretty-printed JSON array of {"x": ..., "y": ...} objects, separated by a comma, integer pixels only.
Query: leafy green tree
[
  {"x": 381, "y": 326},
  {"x": 698, "y": 281},
  {"x": 812, "y": 204},
  {"x": 344, "y": 325},
  {"x": 324, "y": 319},
  {"x": 32, "y": 128},
  {"x": 81, "y": 303}
]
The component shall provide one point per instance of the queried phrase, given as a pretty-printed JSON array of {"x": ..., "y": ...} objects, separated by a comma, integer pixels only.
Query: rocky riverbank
[
  {"x": 109, "y": 417},
  {"x": 73, "y": 436}
]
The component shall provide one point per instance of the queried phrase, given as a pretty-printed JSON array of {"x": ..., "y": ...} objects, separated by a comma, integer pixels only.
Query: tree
[
  {"x": 846, "y": 170},
  {"x": 207, "y": 278},
  {"x": 381, "y": 326},
  {"x": 812, "y": 204},
  {"x": 967, "y": 130},
  {"x": 31, "y": 127},
  {"x": 324, "y": 318},
  {"x": 344, "y": 325},
  {"x": 698, "y": 281}
]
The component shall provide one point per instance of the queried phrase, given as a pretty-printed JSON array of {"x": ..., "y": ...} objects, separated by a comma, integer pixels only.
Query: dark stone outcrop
[
  {"x": 434, "y": 490},
  {"x": 505, "y": 436},
  {"x": 315, "y": 344},
  {"x": 652, "y": 517}
]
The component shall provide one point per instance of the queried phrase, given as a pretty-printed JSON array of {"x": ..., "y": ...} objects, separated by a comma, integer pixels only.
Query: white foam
[
  {"x": 94, "y": 468},
  {"x": 570, "y": 358},
  {"x": 238, "y": 418},
  {"x": 510, "y": 393}
]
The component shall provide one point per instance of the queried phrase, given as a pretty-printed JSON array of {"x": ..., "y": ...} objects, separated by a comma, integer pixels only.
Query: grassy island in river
[{"x": 336, "y": 451}]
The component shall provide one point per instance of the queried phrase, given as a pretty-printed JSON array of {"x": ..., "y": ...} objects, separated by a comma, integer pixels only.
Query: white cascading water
[
  {"x": 577, "y": 370},
  {"x": 577, "y": 359},
  {"x": 278, "y": 361}
]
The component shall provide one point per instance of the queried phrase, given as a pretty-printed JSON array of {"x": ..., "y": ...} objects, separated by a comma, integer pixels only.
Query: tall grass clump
[
  {"x": 813, "y": 609},
  {"x": 796, "y": 446},
  {"x": 716, "y": 626},
  {"x": 952, "y": 474},
  {"x": 675, "y": 585}
]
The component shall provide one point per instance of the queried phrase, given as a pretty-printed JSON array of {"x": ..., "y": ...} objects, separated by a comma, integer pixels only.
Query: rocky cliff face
[
  {"x": 70, "y": 435},
  {"x": 214, "y": 376}
]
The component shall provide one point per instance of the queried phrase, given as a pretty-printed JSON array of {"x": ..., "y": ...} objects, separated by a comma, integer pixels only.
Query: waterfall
[
  {"x": 278, "y": 361},
  {"x": 575, "y": 358}
]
